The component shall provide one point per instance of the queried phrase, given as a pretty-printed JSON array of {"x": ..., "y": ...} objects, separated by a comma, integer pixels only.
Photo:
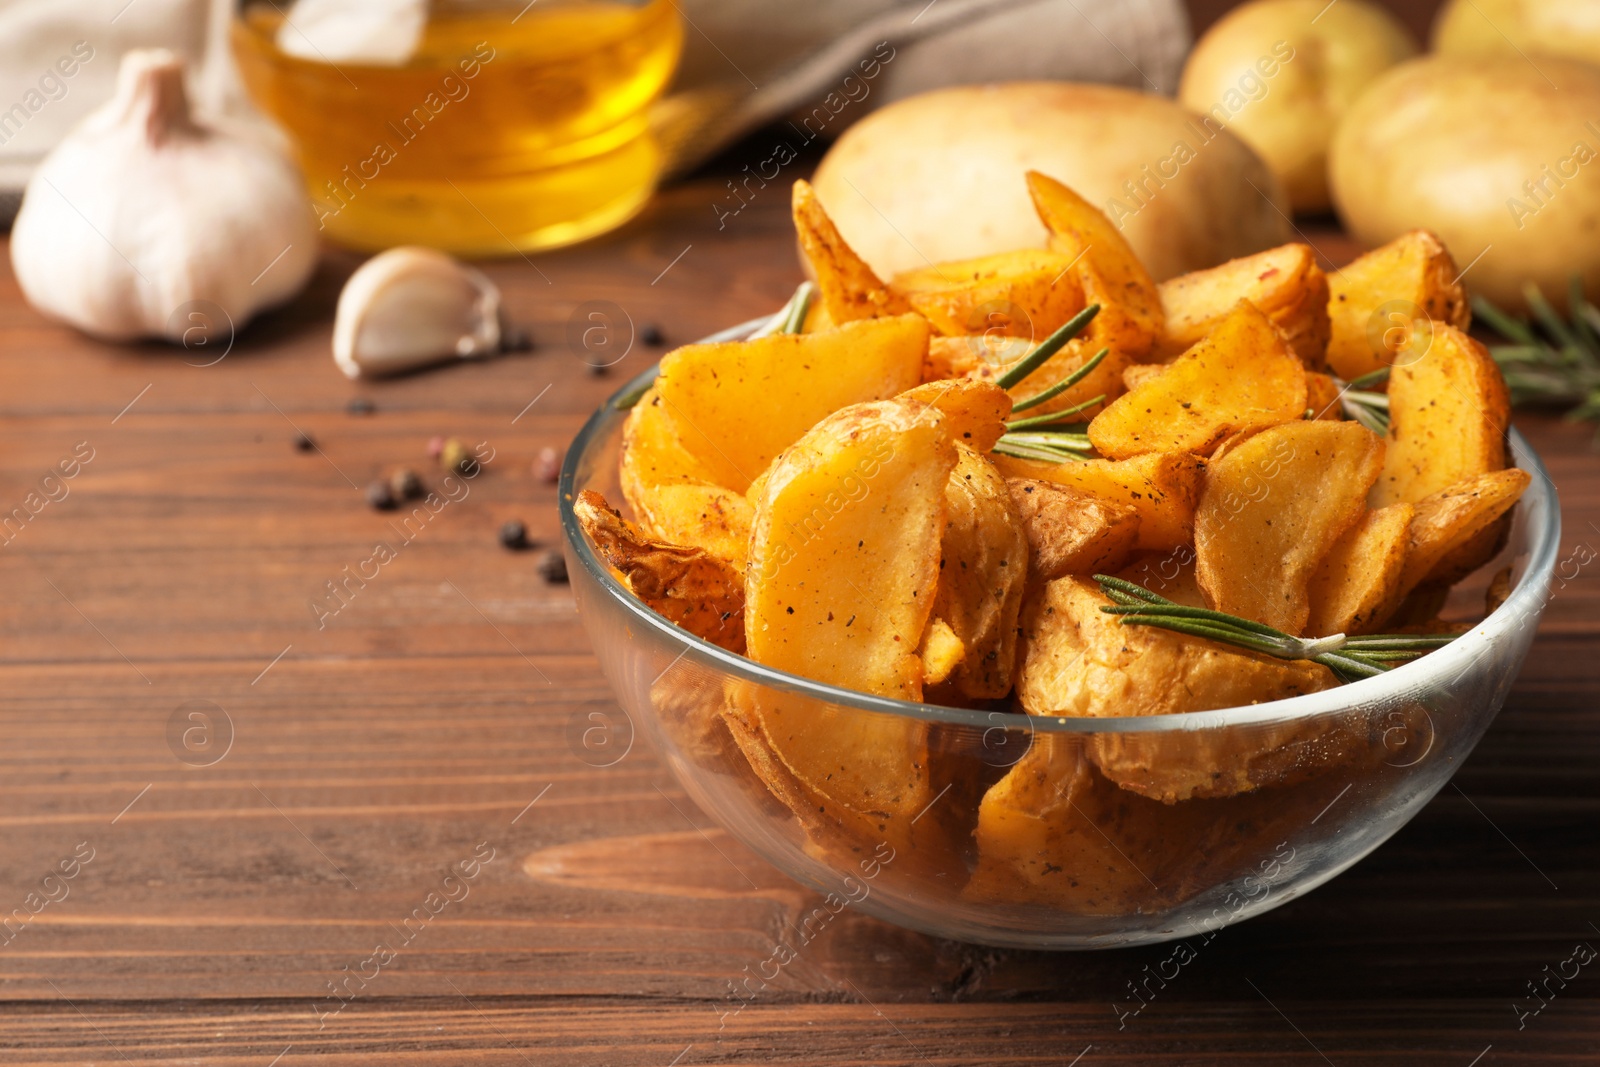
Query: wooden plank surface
[{"x": 419, "y": 723}]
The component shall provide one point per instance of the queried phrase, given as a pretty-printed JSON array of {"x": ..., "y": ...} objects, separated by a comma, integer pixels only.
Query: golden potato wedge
[
  {"x": 1272, "y": 509},
  {"x": 848, "y": 288},
  {"x": 844, "y": 567},
  {"x": 941, "y": 652},
  {"x": 983, "y": 564},
  {"x": 1452, "y": 518},
  {"x": 1070, "y": 531},
  {"x": 1378, "y": 303},
  {"x": 673, "y": 495},
  {"x": 1357, "y": 585},
  {"x": 1163, "y": 487},
  {"x": 1285, "y": 283},
  {"x": 1079, "y": 229},
  {"x": 1139, "y": 373},
  {"x": 1242, "y": 375},
  {"x": 735, "y": 406},
  {"x": 1028, "y": 293},
  {"x": 1448, "y": 413},
  {"x": 974, "y": 411},
  {"x": 689, "y": 586},
  {"x": 1080, "y": 661}
]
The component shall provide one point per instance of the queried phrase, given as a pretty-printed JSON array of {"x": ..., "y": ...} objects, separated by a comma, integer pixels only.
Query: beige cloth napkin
[{"x": 746, "y": 62}]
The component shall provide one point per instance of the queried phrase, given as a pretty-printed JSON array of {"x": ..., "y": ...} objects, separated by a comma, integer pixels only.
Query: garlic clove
[
  {"x": 413, "y": 307},
  {"x": 142, "y": 217}
]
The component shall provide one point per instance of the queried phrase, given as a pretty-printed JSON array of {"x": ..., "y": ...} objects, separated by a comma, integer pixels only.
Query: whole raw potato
[
  {"x": 1281, "y": 73},
  {"x": 1505, "y": 27},
  {"x": 939, "y": 176},
  {"x": 1488, "y": 155}
]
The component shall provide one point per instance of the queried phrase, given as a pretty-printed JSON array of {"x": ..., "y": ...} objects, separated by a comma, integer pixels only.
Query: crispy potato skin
[
  {"x": 1377, "y": 303},
  {"x": 1357, "y": 585},
  {"x": 1028, "y": 293},
  {"x": 1285, "y": 283},
  {"x": 1272, "y": 509},
  {"x": 1080, "y": 661},
  {"x": 1163, "y": 487},
  {"x": 974, "y": 411},
  {"x": 1454, "y": 517},
  {"x": 983, "y": 567},
  {"x": 689, "y": 586},
  {"x": 848, "y": 287},
  {"x": 673, "y": 495},
  {"x": 1070, "y": 531},
  {"x": 735, "y": 406},
  {"x": 1241, "y": 376}
]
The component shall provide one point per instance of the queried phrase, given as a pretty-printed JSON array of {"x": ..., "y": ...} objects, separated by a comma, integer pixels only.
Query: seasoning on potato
[{"x": 1142, "y": 500}]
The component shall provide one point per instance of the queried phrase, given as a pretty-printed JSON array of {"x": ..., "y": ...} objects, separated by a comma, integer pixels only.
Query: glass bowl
[{"x": 1061, "y": 856}]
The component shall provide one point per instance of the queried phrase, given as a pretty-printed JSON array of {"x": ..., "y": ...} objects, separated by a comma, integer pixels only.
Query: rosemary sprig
[
  {"x": 1363, "y": 405},
  {"x": 1047, "y": 348},
  {"x": 1057, "y": 436},
  {"x": 1350, "y": 658},
  {"x": 1550, "y": 361}
]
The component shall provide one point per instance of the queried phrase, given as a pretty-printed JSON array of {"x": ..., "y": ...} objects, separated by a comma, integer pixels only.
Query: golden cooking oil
[{"x": 507, "y": 128}]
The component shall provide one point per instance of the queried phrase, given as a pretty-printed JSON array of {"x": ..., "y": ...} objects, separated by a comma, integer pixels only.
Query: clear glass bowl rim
[{"x": 1429, "y": 673}]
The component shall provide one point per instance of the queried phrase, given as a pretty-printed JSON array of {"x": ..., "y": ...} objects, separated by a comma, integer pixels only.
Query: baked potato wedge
[
  {"x": 689, "y": 586},
  {"x": 847, "y": 287},
  {"x": 844, "y": 567},
  {"x": 1285, "y": 283},
  {"x": 1081, "y": 661},
  {"x": 983, "y": 565},
  {"x": 673, "y": 495},
  {"x": 1378, "y": 304},
  {"x": 1453, "y": 518},
  {"x": 1070, "y": 531},
  {"x": 735, "y": 406},
  {"x": 974, "y": 411},
  {"x": 1357, "y": 585},
  {"x": 1079, "y": 230},
  {"x": 1162, "y": 487},
  {"x": 1273, "y": 508},
  {"x": 1029, "y": 293},
  {"x": 1242, "y": 375}
]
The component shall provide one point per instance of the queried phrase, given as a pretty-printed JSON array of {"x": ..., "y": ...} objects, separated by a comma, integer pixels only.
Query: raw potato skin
[
  {"x": 983, "y": 566},
  {"x": 1448, "y": 413},
  {"x": 1448, "y": 142},
  {"x": 1568, "y": 28},
  {"x": 1272, "y": 509},
  {"x": 1453, "y": 517},
  {"x": 1072, "y": 532},
  {"x": 938, "y": 172},
  {"x": 1163, "y": 487},
  {"x": 1284, "y": 283},
  {"x": 1382, "y": 302},
  {"x": 1080, "y": 661},
  {"x": 844, "y": 564},
  {"x": 1079, "y": 230},
  {"x": 847, "y": 287},
  {"x": 1357, "y": 587},
  {"x": 1310, "y": 60},
  {"x": 735, "y": 406},
  {"x": 1028, "y": 294},
  {"x": 673, "y": 495},
  {"x": 1242, "y": 376},
  {"x": 687, "y": 586}
]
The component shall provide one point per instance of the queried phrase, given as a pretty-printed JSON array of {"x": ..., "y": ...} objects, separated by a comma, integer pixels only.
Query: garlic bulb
[
  {"x": 141, "y": 215},
  {"x": 412, "y": 307}
]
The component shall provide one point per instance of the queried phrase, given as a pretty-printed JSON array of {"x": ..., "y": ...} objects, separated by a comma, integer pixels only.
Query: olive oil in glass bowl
[{"x": 481, "y": 128}]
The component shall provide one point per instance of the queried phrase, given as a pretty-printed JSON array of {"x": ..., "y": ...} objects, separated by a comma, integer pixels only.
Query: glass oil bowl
[
  {"x": 1075, "y": 861},
  {"x": 480, "y": 127}
]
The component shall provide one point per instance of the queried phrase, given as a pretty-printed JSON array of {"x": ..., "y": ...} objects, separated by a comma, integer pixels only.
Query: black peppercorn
[
  {"x": 404, "y": 484},
  {"x": 553, "y": 567},
  {"x": 303, "y": 443},
  {"x": 514, "y": 535},
  {"x": 380, "y": 496},
  {"x": 651, "y": 335}
]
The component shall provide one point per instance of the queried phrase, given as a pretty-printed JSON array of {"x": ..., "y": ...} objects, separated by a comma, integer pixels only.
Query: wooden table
[{"x": 337, "y": 763}]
